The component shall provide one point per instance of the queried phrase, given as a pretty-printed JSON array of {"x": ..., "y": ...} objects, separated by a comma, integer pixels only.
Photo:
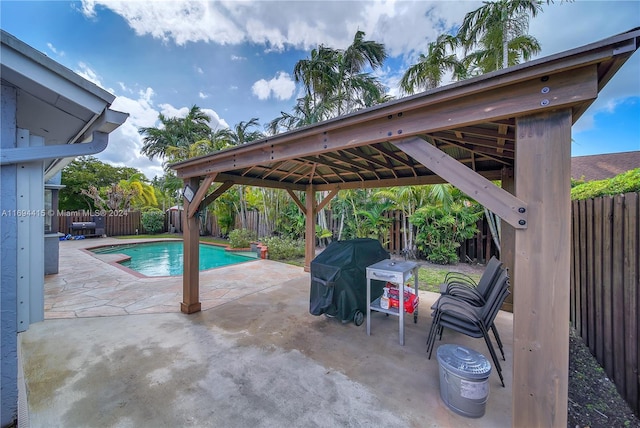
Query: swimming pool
[{"x": 165, "y": 258}]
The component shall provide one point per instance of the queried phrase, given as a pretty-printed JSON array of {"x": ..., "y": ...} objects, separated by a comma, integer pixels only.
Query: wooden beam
[
  {"x": 475, "y": 141},
  {"x": 385, "y": 151},
  {"x": 346, "y": 168},
  {"x": 390, "y": 182},
  {"x": 384, "y": 163},
  {"x": 488, "y": 102},
  {"x": 502, "y": 203},
  {"x": 252, "y": 181},
  {"x": 191, "y": 256},
  {"x": 542, "y": 271},
  {"x": 310, "y": 228},
  {"x": 480, "y": 151},
  {"x": 297, "y": 201},
  {"x": 200, "y": 193},
  {"x": 216, "y": 194},
  {"x": 327, "y": 199}
]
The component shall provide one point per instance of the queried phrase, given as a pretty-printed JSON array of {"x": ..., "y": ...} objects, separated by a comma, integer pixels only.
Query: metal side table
[{"x": 396, "y": 273}]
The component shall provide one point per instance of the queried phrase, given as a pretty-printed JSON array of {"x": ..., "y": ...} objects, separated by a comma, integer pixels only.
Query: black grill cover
[{"x": 338, "y": 278}]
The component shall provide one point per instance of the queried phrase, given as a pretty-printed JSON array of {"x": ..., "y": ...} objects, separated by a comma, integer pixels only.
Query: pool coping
[{"x": 115, "y": 259}]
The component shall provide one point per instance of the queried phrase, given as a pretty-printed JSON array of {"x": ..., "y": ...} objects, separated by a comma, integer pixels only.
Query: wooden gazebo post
[
  {"x": 508, "y": 239},
  {"x": 542, "y": 265},
  {"x": 309, "y": 227},
  {"x": 191, "y": 245}
]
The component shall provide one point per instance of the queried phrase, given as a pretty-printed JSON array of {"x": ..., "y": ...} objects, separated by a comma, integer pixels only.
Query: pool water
[{"x": 166, "y": 258}]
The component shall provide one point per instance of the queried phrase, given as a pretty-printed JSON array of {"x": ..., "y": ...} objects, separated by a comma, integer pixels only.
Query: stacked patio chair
[
  {"x": 464, "y": 287},
  {"x": 472, "y": 313}
]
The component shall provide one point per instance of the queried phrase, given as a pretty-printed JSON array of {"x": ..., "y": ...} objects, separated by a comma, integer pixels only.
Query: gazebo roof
[
  {"x": 472, "y": 121},
  {"x": 514, "y": 125}
]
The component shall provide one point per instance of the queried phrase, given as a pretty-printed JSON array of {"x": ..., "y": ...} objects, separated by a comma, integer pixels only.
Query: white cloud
[
  {"x": 54, "y": 50},
  {"x": 180, "y": 21},
  {"x": 281, "y": 87},
  {"x": 261, "y": 89},
  {"x": 202, "y": 95},
  {"x": 402, "y": 26},
  {"x": 89, "y": 74},
  {"x": 126, "y": 142}
]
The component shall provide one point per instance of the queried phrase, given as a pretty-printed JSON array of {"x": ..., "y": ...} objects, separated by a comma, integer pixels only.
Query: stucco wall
[{"x": 8, "y": 261}]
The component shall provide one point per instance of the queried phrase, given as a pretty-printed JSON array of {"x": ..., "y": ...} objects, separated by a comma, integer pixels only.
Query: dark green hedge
[{"x": 624, "y": 183}]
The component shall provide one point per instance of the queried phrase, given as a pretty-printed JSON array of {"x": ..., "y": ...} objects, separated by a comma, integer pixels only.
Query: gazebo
[{"x": 512, "y": 125}]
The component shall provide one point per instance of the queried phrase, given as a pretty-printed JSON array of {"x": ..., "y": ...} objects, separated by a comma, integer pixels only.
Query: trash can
[{"x": 464, "y": 380}]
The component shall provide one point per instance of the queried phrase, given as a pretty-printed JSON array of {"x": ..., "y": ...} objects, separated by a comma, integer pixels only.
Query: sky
[{"x": 235, "y": 59}]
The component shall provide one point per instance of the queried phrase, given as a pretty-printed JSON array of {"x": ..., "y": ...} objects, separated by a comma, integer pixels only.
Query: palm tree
[
  {"x": 427, "y": 73},
  {"x": 407, "y": 199},
  {"x": 499, "y": 27},
  {"x": 175, "y": 132},
  {"x": 362, "y": 52},
  {"x": 335, "y": 82},
  {"x": 318, "y": 74},
  {"x": 167, "y": 189},
  {"x": 241, "y": 134},
  {"x": 352, "y": 63},
  {"x": 304, "y": 113},
  {"x": 144, "y": 193}
]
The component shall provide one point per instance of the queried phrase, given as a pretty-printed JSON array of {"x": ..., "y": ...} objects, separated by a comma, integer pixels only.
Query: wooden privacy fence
[
  {"x": 477, "y": 249},
  {"x": 605, "y": 286},
  {"x": 117, "y": 223}
]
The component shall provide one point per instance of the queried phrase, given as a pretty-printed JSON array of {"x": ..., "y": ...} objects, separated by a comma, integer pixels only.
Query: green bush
[
  {"x": 440, "y": 231},
  {"x": 284, "y": 248},
  {"x": 241, "y": 238},
  {"x": 623, "y": 183},
  {"x": 153, "y": 221}
]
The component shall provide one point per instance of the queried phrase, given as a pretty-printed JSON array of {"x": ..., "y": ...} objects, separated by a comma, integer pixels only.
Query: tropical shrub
[
  {"x": 440, "y": 231},
  {"x": 241, "y": 238},
  {"x": 152, "y": 220},
  {"x": 290, "y": 222},
  {"x": 622, "y": 183},
  {"x": 284, "y": 248}
]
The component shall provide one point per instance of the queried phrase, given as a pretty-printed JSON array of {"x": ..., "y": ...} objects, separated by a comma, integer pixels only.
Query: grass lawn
[{"x": 430, "y": 278}]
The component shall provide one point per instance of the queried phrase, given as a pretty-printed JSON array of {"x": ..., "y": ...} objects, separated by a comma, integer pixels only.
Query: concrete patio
[{"x": 114, "y": 350}]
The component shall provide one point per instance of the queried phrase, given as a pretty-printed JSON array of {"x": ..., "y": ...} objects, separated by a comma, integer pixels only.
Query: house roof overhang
[
  {"x": 53, "y": 102},
  {"x": 472, "y": 121}
]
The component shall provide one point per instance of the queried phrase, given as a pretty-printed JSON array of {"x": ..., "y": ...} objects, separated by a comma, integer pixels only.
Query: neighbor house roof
[{"x": 601, "y": 167}]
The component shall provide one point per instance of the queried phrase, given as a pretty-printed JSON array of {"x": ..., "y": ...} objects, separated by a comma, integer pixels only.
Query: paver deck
[{"x": 93, "y": 285}]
